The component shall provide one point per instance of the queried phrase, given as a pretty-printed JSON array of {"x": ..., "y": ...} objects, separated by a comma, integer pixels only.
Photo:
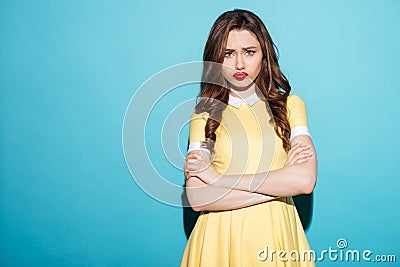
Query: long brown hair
[{"x": 271, "y": 82}]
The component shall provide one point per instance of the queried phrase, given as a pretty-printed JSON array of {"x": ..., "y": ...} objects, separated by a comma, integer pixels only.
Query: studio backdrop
[{"x": 94, "y": 112}]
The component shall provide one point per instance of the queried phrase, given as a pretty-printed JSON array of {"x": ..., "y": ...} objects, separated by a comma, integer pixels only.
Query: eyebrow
[{"x": 244, "y": 48}]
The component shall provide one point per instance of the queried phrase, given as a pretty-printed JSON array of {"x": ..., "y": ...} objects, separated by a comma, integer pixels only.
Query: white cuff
[
  {"x": 197, "y": 146},
  {"x": 299, "y": 130}
]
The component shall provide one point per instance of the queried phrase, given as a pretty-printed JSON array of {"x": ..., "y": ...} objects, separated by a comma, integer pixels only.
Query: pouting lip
[{"x": 240, "y": 75}]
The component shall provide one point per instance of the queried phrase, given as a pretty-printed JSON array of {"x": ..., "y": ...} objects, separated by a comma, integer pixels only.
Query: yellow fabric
[
  {"x": 247, "y": 143},
  {"x": 297, "y": 114}
]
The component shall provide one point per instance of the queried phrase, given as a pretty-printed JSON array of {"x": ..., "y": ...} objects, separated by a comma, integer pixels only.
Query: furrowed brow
[{"x": 249, "y": 47}]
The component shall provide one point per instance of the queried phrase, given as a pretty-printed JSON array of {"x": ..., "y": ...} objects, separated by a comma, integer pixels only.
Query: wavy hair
[{"x": 272, "y": 83}]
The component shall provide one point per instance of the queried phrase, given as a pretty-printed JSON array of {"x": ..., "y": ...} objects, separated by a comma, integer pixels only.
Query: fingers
[
  {"x": 290, "y": 153},
  {"x": 303, "y": 156},
  {"x": 192, "y": 170},
  {"x": 198, "y": 154},
  {"x": 302, "y": 160},
  {"x": 196, "y": 165},
  {"x": 187, "y": 171},
  {"x": 196, "y": 161},
  {"x": 296, "y": 149},
  {"x": 299, "y": 147},
  {"x": 299, "y": 153},
  {"x": 195, "y": 154}
]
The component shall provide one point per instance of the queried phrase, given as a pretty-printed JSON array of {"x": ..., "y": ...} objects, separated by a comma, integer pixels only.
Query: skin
[
  {"x": 242, "y": 54},
  {"x": 209, "y": 190},
  {"x": 292, "y": 179}
]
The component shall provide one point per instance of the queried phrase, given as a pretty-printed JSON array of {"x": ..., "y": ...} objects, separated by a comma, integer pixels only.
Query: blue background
[{"x": 69, "y": 69}]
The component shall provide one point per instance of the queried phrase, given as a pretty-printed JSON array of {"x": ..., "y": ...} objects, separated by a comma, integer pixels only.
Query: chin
[{"x": 240, "y": 85}]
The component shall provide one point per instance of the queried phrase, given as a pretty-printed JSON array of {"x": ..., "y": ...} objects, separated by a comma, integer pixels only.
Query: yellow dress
[{"x": 255, "y": 235}]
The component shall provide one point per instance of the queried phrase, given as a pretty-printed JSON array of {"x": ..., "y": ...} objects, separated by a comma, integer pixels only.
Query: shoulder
[
  {"x": 201, "y": 115},
  {"x": 295, "y": 103},
  {"x": 294, "y": 99},
  {"x": 296, "y": 111}
]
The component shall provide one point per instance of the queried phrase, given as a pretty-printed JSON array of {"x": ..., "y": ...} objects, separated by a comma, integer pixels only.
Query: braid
[{"x": 214, "y": 105}]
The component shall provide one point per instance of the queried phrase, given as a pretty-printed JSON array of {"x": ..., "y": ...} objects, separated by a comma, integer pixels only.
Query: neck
[{"x": 243, "y": 93}]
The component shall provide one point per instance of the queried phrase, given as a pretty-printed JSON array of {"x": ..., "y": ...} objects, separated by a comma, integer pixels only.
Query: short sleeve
[
  {"x": 196, "y": 131},
  {"x": 297, "y": 116}
]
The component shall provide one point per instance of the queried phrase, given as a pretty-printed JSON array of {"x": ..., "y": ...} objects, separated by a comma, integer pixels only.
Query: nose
[{"x": 239, "y": 62}]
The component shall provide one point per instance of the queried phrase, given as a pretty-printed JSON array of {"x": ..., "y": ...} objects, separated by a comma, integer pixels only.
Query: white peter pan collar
[{"x": 237, "y": 101}]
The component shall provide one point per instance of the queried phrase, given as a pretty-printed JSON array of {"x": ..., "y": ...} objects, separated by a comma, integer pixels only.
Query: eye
[
  {"x": 228, "y": 54},
  {"x": 250, "y": 52}
]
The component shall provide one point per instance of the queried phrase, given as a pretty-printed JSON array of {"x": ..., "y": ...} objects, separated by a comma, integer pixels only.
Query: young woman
[{"x": 250, "y": 151}]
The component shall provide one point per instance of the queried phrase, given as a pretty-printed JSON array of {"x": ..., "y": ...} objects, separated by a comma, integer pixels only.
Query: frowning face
[{"x": 243, "y": 58}]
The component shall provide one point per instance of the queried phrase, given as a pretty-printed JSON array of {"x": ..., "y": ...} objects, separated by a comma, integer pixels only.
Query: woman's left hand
[{"x": 199, "y": 165}]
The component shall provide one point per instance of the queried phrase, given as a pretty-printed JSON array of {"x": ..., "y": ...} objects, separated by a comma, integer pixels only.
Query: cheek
[
  {"x": 227, "y": 68},
  {"x": 228, "y": 62},
  {"x": 255, "y": 65}
]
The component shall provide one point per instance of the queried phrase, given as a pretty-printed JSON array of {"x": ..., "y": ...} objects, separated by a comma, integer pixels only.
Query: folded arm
[
  {"x": 288, "y": 181},
  {"x": 203, "y": 196}
]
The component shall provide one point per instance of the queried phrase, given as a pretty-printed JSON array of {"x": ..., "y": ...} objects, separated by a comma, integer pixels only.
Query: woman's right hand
[
  {"x": 193, "y": 155},
  {"x": 299, "y": 153}
]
